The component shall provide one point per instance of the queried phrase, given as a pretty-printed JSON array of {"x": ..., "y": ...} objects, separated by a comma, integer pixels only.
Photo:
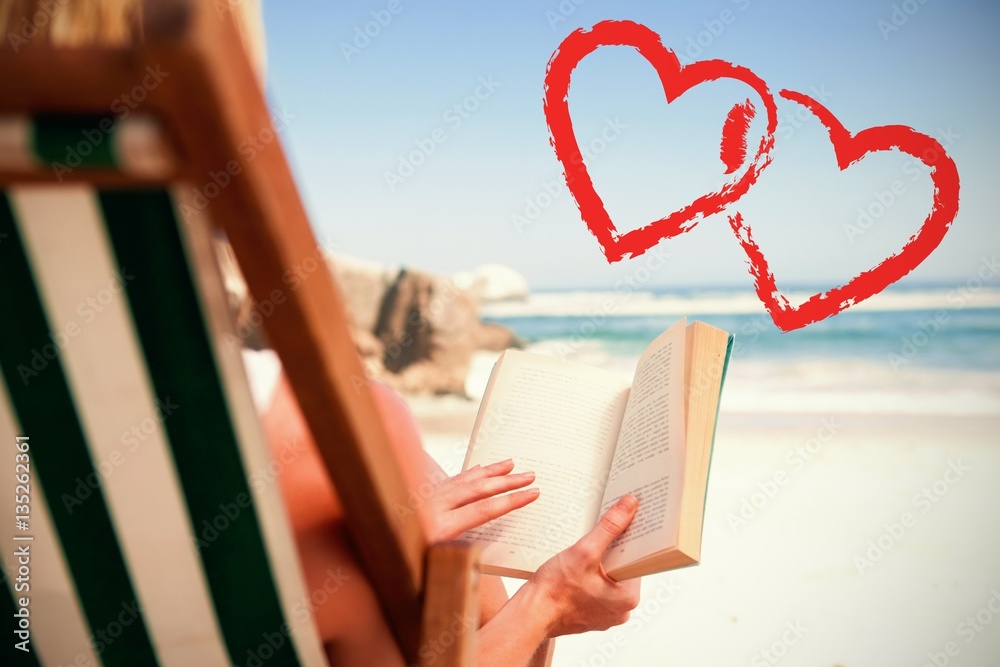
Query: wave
[{"x": 608, "y": 303}]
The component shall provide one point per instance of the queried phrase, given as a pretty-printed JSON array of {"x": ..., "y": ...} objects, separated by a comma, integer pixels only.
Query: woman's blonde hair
[{"x": 112, "y": 22}]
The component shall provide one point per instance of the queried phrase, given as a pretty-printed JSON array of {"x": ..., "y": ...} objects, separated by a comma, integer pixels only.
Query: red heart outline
[
  {"x": 850, "y": 149},
  {"x": 676, "y": 79}
]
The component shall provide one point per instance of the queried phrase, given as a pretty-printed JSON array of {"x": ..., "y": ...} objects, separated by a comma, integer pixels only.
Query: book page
[
  {"x": 559, "y": 419},
  {"x": 649, "y": 458}
]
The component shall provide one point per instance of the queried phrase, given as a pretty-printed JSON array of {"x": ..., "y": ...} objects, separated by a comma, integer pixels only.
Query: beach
[{"x": 852, "y": 508}]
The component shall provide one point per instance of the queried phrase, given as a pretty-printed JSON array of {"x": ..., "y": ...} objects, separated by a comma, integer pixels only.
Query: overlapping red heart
[{"x": 849, "y": 148}]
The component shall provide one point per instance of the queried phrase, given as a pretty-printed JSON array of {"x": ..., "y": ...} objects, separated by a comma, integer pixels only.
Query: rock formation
[
  {"x": 415, "y": 331},
  {"x": 425, "y": 331}
]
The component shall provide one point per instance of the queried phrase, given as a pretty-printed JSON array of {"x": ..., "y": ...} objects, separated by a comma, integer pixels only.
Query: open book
[{"x": 591, "y": 437}]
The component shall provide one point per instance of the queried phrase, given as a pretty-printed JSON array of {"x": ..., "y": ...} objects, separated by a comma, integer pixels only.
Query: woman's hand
[
  {"x": 569, "y": 593},
  {"x": 471, "y": 498},
  {"x": 575, "y": 586}
]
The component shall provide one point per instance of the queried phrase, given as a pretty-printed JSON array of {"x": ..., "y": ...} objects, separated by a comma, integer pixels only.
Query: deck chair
[{"x": 154, "y": 535}]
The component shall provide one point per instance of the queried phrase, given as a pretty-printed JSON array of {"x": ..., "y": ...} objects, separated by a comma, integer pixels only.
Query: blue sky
[{"x": 358, "y": 109}]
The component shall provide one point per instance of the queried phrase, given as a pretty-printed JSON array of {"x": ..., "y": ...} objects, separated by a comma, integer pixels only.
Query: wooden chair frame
[{"x": 210, "y": 102}]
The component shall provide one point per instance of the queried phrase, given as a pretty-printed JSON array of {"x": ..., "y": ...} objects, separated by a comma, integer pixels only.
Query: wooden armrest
[{"x": 451, "y": 605}]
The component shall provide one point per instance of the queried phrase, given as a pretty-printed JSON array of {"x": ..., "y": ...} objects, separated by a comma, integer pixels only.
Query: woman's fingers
[
  {"x": 487, "y": 509},
  {"x": 479, "y": 495},
  {"x": 478, "y": 489},
  {"x": 613, "y": 523},
  {"x": 474, "y": 473},
  {"x": 471, "y": 477},
  {"x": 479, "y": 472}
]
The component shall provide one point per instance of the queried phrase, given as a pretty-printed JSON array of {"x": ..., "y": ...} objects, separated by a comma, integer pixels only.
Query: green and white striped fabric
[
  {"x": 131, "y": 143},
  {"x": 149, "y": 543}
]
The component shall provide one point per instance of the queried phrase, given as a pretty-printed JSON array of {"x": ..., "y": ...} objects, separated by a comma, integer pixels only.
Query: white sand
[{"x": 788, "y": 581}]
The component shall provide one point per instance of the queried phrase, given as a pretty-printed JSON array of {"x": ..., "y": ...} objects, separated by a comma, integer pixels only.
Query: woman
[{"x": 570, "y": 593}]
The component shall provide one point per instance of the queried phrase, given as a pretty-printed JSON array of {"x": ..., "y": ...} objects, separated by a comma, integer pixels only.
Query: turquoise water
[
  {"x": 926, "y": 327},
  {"x": 919, "y": 350},
  {"x": 965, "y": 340}
]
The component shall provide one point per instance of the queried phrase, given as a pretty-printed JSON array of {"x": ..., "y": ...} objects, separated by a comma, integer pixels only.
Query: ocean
[{"x": 927, "y": 349}]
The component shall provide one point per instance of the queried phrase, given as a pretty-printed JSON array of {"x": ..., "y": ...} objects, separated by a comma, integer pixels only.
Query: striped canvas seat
[
  {"x": 130, "y": 143},
  {"x": 154, "y": 525}
]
